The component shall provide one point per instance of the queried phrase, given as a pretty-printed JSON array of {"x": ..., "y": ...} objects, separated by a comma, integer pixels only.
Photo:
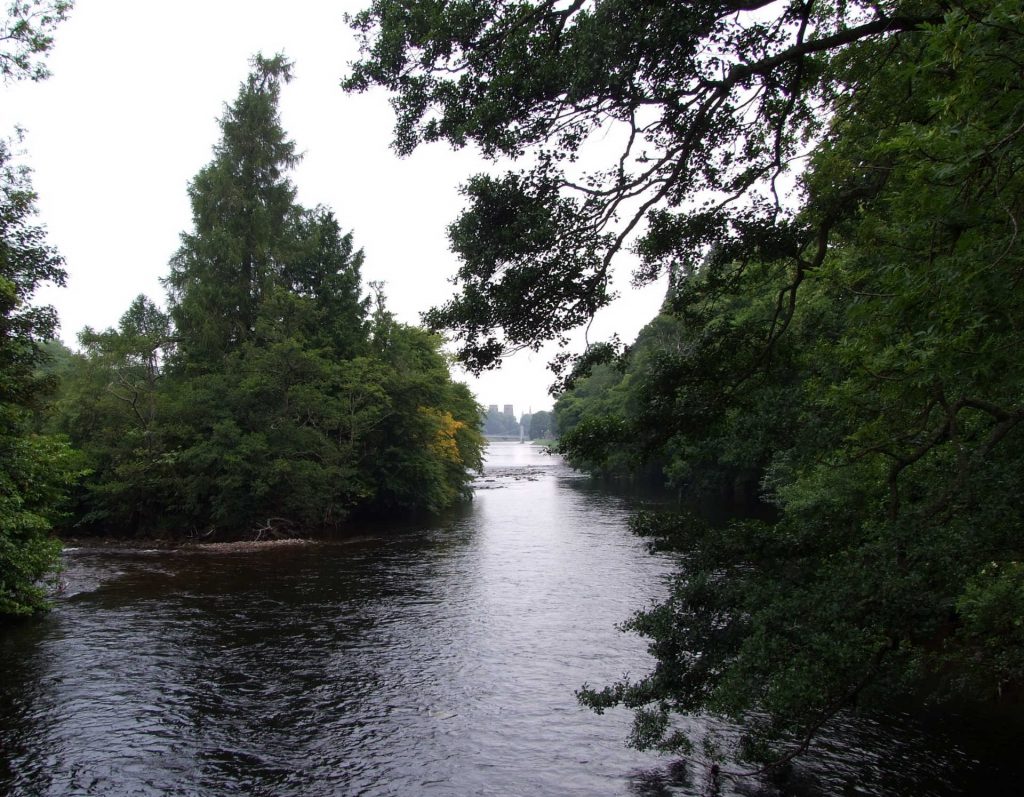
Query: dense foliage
[
  {"x": 850, "y": 348},
  {"x": 273, "y": 397},
  {"x": 35, "y": 469}
]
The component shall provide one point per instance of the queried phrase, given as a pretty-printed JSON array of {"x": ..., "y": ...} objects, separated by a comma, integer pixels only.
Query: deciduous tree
[
  {"x": 35, "y": 470},
  {"x": 849, "y": 341},
  {"x": 26, "y": 36}
]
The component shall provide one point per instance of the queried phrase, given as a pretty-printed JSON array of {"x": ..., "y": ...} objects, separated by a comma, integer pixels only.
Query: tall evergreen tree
[
  {"x": 324, "y": 269},
  {"x": 243, "y": 212}
]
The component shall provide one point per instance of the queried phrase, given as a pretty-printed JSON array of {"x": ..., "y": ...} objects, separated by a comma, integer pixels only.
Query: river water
[{"x": 434, "y": 660}]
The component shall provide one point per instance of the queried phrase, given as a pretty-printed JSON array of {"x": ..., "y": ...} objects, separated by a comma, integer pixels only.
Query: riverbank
[{"x": 186, "y": 545}]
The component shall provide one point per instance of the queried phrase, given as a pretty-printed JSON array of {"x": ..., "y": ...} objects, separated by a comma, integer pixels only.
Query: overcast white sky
[{"x": 130, "y": 115}]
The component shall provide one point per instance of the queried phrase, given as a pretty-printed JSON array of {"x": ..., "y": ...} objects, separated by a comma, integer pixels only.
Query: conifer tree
[
  {"x": 243, "y": 211},
  {"x": 284, "y": 413}
]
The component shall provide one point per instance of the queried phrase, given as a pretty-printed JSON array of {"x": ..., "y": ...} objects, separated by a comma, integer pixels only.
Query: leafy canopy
[
  {"x": 846, "y": 350},
  {"x": 706, "y": 105}
]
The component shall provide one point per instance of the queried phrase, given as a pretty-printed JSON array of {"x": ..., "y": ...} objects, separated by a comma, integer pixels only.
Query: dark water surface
[{"x": 436, "y": 660}]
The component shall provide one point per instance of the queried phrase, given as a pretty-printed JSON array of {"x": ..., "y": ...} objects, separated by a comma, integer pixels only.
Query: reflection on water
[{"x": 437, "y": 660}]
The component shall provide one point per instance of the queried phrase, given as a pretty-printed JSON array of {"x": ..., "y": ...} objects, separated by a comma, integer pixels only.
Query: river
[{"x": 434, "y": 660}]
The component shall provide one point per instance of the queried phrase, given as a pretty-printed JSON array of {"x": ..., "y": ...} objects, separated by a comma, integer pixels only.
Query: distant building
[{"x": 502, "y": 425}]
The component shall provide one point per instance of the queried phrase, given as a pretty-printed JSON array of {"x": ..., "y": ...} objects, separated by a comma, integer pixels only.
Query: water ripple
[{"x": 437, "y": 661}]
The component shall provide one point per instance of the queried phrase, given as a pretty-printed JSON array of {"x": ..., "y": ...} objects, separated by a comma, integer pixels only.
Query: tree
[
  {"x": 35, "y": 470},
  {"x": 27, "y": 262},
  {"x": 542, "y": 425},
  {"x": 426, "y": 448},
  {"x": 135, "y": 354},
  {"x": 325, "y": 268},
  {"x": 712, "y": 103},
  {"x": 266, "y": 301},
  {"x": 244, "y": 213},
  {"x": 268, "y": 402},
  {"x": 26, "y": 36},
  {"x": 111, "y": 404},
  {"x": 847, "y": 342}
]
